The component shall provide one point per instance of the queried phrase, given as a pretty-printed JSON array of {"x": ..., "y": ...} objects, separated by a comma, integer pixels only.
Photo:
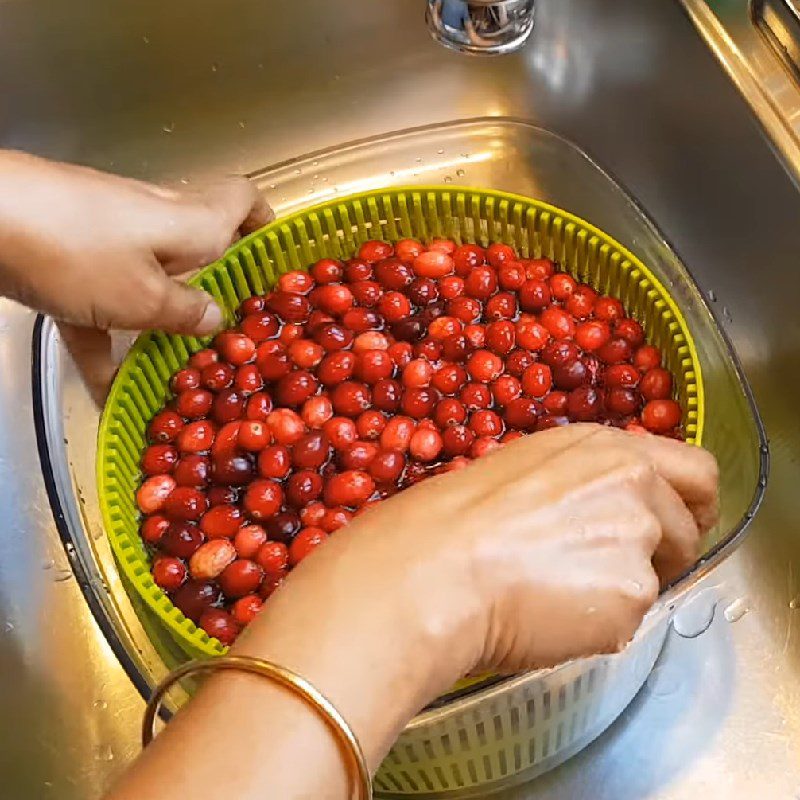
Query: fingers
[
  {"x": 691, "y": 471},
  {"x": 201, "y": 228},
  {"x": 92, "y": 353},
  {"x": 678, "y": 547}
]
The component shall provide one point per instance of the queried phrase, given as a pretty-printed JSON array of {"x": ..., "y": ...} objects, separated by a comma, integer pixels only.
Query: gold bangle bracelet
[{"x": 358, "y": 772}]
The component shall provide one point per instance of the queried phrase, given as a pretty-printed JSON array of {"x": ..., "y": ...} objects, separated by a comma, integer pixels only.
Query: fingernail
[{"x": 211, "y": 319}]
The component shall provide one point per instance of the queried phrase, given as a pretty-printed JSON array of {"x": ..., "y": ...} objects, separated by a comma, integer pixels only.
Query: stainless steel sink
[{"x": 158, "y": 90}]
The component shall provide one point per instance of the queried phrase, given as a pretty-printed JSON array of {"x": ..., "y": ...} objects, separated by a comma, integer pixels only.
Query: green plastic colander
[{"x": 336, "y": 229}]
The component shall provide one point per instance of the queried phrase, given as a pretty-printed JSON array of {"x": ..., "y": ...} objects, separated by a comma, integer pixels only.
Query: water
[
  {"x": 694, "y": 618},
  {"x": 736, "y": 610},
  {"x": 168, "y": 128},
  {"x": 663, "y": 681},
  {"x": 104, "y": 752},
  {"x": 794, "y": 603},
  {"x": 448, "y": 178},
  {"x": 461, "y": 173},
  {"x": 61, "y": 575},
  {"x": 712, "y": 295},
  {"x": 440, "y": 151},
  {"x": 48, "y": 564},
  {"x": 100, "y": 704}
]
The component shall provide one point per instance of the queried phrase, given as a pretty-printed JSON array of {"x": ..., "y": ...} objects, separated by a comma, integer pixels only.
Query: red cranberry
[
  {"x": 228, "y": 406},
  {"x": 480, "y": 283},
  {"x": 220, "y": 625},
  {"x": 262, "y": 499},
  {"x": 290, "y": 306},
  {"x": 656, "y": 384},
  {"x": 165, "y": 426},
  {"x": 273, "y": 361},
  {"x": 449, "y": 412},
  {"x": 286, "y": 426},
  {"x": 185, "y": 503},
  {"x": 246, "y": 609},
  {"x": 340, "y": 432},
  {"x": 521, "y": 414},
  {"x": 661, "y": 416},
  {"x": 375, "y": 250},
  {"x": 484, "y": 366},
  {"x": 505, "y": 389},
  {"x": 370, "y": 340},
  {"x": 534, "y": 295},
  {"x": 397, "y": 434},
  {"x": 211, "y": 558},
  {"x": 202, "y": 358},
  {"x": 248, "y": 540},
  {"x": 153, "y": 528},
  {"x": 559, "y": 353},
  {"x": 511, "y": 276},
  {"x": 248, "y": 379},
  {"x": 274, "y": 462},
  {"x": 393, "y": 274},
  {"x": 184, "y": 379},
  {"x": 283, "y": 527},
  {"x": 418, "y": 403},
  {"x": 485, "y": 423},
  {"x": 518, "y": 361},
  {"x": 532, "y": 335},
  {"x": 608, "y": 308},
  {"x": 260, "y": 327},
  {"x": 367, "y": 294},
  {"x": 501, "y": 336},
  {"x": 305, "y": 543},
  {"x": 615, "y": 351},
  {"x": 647, "y": 357},
  {"x": 425, "y": 444},
  {"x": 349, "y": 488},
  {"x": 623, "y": 376},
  {"x": 498, "y": 254},
  {"x": 583, "y": 404},
  {"x": 394, "y": 306},
  {"x": 408, "y": 249},
  {"x": 240, "y": 578},
  {"x": 571, "y": 376},
  {"x": 169, "y": 573},
  {"x": 232, "y": 469},
  {"x": 327, "y": 270},
  {"x": 235, "y": 348},
  {"x": 295, "y": 281},
  {"x": 194, "y": 598},
  {"x": 537, "y": 380},
  {"x": 194, "y": 403},
  {"x": 622, "y": 401},
  {"x": 475, "y": 396},
  {"x": 457, "y": 440},
  {"x": 356, "y": 269},
  {"x": 273, "y": 557},
  {"x": 555, "y": 403},
  {"x": 581, "y": 302},
  {"x": 316, "y": 411},
  {"x": 158, "y": 459},
  {"x": 559, "y": 323},
  {"x": 466, "y": 257},
  {"x": 181, "y": 539},
  {"x": 221, "y": 522},
  {"x": 254, "y": 435},
  {"x": 387, "y": 466},
  {"x": 422, "y": 291},
  {"x": 303, "y": 487}
]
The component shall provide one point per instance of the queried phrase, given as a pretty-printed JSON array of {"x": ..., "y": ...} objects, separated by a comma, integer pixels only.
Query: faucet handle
[{"x": 481, "y": 26}]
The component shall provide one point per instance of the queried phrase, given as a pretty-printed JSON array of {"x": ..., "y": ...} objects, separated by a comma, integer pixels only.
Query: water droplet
[
  {"x": 145, "y": 39},
  {"x": 712, "y": 295},
  {"x": 695, "y": 616},
  {"x": 311, "y": 191},
  {"x": 272, "y": 186},
  {"x": 418, "y": 160},
  {"x": 663, "y": 681},
  {"x": 298, "y": 171},
  {"x": 794, "y": 603},
  {"x": 104, "y": 752},
  {"x": 440, "y": 150},
  {"x": 101, "y": 704},
  {"x": 324, "y": 178},
  {"x": 315, "y": 163},
  {"x": 461, "y": 173},
  {"x": 448, "y": 178},
  {"x": 591, "y": 610},
  {"x": 726, "y": 313},
  {"x": 261, "y": 66},
  {"x": 465, "y": 155},
  {"x": 8, "y": 627},
  {"x": 48, "y": 784},
  {"x": 391, "y": 172},
  {"x": 214, "y": 67},
  {"x": 168, "y": 128},
  {"x": 184, "y": 181},
  {"x": 242, "y": 123},
  {"x": 736, "y": 610},
  {"x": 48, "y": 564}
]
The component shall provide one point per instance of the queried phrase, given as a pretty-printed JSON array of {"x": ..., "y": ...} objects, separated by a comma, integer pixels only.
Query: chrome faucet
[{"x": 488, "y": 27}]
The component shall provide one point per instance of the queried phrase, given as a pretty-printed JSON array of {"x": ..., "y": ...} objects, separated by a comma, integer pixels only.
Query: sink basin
[{"x": 187, "y": 97}]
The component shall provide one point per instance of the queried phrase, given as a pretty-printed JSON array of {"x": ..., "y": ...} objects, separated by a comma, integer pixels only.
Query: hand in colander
[{"x": 548, "y": 549}]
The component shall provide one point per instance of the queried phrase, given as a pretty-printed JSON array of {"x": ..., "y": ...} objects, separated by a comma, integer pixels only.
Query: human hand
[
  {"x": 97, "y": 251},
  {"x": 548, "y": 549}
]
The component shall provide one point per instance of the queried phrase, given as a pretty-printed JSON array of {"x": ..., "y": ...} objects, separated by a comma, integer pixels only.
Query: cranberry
[
  {"x": 184, "y": 379},
  {"x": 592, "y": 335},
  {"x": 311, "y": 451},
  {"x": 451, "y": 287},
  {"x": 394, "y": 306},
  {"x": 222, "y": 495},
  {"x": 466, "y": 309},
  {"x": 336, "y": 368},
  {"x": 622, "y": 376},
  {"x": 273, "y": 557},
  {"x": 235, "y": 348},
  {"x": 485, "y": 423},
  {"x": 356, "y": 269},
  {"x": 571, "y": 376},
  {"x": 273, "y": 361},
  {"x": 362, "y": 320},
  {"x": 393, "y": 274},
  {"x": 583, "y": 404},
  {"x": 254, "y": 435},
  {"x": 350, "y": 398},
  {"x": 505, "y": 389},
  {"x": 367, "y": 294},
  {"x": 232, "y": 469},
  {"x": 192, "y": 470},
  {"x": 292, "y": 331},
  {"x": 241, "y": 577},
  {"x": 408, "y": 249},
  {"x": 418, "y": 402},
  {"x": 312, "y": 514},
  {"x": 316, "y": 411},
  {"x": 581, "y": 302},
  {"x": 521, "y": 414},
  {"x": 246, "y": 609},
  {"x": 532, "y": 335},
  {"x": 302, "y": 487},
  {"x": 498, "y": 254},
  {"x": 457, "y": 440},
  {"x": 248, "y": 540},
  {"x": 228, "y": 406},
  {"x": 484, "y": 366},
  {"x": 556, "y": 403},
  {"x": 296, "y": 281},
  {"x": 468, "y": 256},
  {"x": 340, "y": 432},
  {"x": 295, "y": 388},
  {"x": 221, "y": 522},
  {"x": 449, "y": 412},
  {"x": 154, "y": 493},
  {"x": 518, "y": 361},
  {"x": 263, "y": 498},
  {"x": 153, "y": 528},
  {"x": 349, "y": 488},
  {"x": 537, "y": 380},
  {"x": 283, "y": 527},
  {"x": 334, "y": 299},
  {"x": 370, "y": 424},
  {"x": 270, "y": 585},
  {"x": 286, "y": 426},
  {"x": 386, "y": 467},
  {"x": 260, "y": 327},
  {"x": 656, "y": 384},
  {"x": 289, "y": 306},
  {"x": 425, "y": 444},
  {"x": 475, "y": 396},
  {"x": 220, "y": 625},
  {"x": 305, "y": 353},
  {"x": 306, "y": 542},
  {"x": 370, "y": 340},
  {"x": 181, "y": 539},
  {"x": 169, "y": 573},
  {"x": 158, "y": 459},
  {"x": 483, "y": 446},
  {"x": 630, "y": 330},
  {"x": 194, "y": 403},
  {"x": 647, "y": 357},
  {"x": 501, "y": 336},
  {"x": 248, "y": 379},
  {"x": 615, "y": 351},
  {"x": 375, "y": 250},
  {"x": 558, "y": 353},
  {"x": 608, "y": 308},
  {"x": 202, "y": 358},
  {"x": 194, "y": 598},
  {"x": 333, "y": 336},
  {"x": 208, "y": 561},
  {"x": 534, "y": 295},
  {"x": 559, "y": 323},
  {"x": 433, "y": 264},
  {"x": 622, "y": 401},
  {"x": 511, "y": 276},
  {"x": 397, "y": 434},
  {"x": 373, "y": 366},
  {"x": 480, "y": 283},
  {"x": 165, "y": 426},
  {"x": 327, "y": 270},
  {"x": 358, "y": 455},
  {"x": 185, "y": 503},
  {"x": 661, "y": 416}
]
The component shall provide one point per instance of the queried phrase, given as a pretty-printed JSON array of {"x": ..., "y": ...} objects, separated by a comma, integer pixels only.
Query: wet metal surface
[{"x": 156, "y": 90}]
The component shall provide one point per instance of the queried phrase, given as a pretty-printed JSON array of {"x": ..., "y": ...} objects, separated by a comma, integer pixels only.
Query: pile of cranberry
[{"x": 357, "y": 379}]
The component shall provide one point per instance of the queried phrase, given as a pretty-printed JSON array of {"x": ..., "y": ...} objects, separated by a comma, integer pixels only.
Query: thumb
[{"x": 174, "y": 307}]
